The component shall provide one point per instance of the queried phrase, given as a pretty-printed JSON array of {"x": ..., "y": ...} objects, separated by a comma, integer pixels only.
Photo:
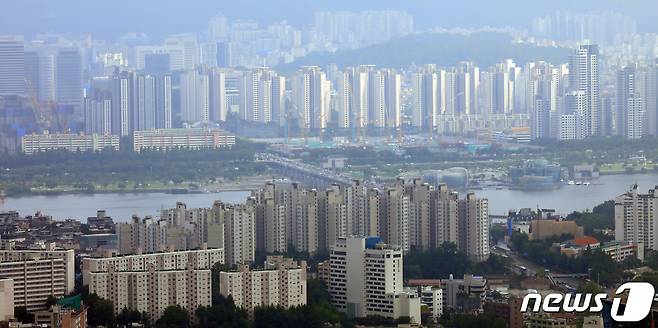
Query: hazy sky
[{"x": 111, "y": 18}]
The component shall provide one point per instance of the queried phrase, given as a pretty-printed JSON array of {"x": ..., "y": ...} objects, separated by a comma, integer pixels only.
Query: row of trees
[
  {"x": 125, "y": 170},
  {"x": 445, "y": 260}
]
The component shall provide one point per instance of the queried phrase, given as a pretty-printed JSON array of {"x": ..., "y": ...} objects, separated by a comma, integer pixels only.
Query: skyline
[{"x": 100, "y": 19}]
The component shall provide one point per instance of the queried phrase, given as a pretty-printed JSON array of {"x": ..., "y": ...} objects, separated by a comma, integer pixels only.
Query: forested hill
[{"x": 443, "y": 49}]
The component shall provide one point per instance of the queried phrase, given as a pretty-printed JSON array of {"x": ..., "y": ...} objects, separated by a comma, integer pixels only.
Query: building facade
[
  {"x": 366, "y": 279},
  {"x": 35, "y": 143},
  {"x": 280, "y": 284}
]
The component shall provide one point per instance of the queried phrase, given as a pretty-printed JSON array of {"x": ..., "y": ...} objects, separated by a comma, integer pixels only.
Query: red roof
[{"x": 586, "y": 240}]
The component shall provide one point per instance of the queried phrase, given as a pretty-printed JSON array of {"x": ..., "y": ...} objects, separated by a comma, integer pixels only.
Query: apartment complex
[
  {"x": 192, "y": 138},
  {"x": 152, "y": 282},
  {"x": 407, "y": 214},
  {"x": 200, "y": 259},
  {"x": 226, "y": 226},
  {"x": 35, "y": 143},
  {"x": 366, "y": 279},
  {"x": 38, "y": 274},
  {"x": 281, "y": 284}
]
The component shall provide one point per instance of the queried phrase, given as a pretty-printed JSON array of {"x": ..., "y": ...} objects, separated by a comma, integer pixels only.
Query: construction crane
[{"x": 42, "y": 118}]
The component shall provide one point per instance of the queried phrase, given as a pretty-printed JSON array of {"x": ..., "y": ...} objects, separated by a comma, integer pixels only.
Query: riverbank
[
  {"x": 246, "y": 183},
  {"x": 120, "y": 206}
]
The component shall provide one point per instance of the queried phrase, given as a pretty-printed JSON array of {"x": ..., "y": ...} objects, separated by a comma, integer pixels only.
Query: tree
[
  {"x": 22, "y": 315},
  {"x": 127, "y": 317},
  {"x": 473, "y": 321},
  {"x": 223, "y": 313},
  {"x": 316, "y": 291},
  {"x": 174, "y": 316},
  {"x": 51, "y": 300},
  {"x": 101, "y": 313},
  {"x": 445, "y": 260}
]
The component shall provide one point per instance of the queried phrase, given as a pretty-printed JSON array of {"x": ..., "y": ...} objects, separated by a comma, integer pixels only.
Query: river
[{"x": 121, "y": 206}]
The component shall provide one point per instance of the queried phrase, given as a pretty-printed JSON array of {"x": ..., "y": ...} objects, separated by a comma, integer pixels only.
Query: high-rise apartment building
[
  {"x": 281, "y": 284},
  {"x": 474, "y": 229},
  {"x": 239, "y": 234},
  {"x": 152, "y": 282},
  {"x": 635, "y": 217},
  {"x": 263, "y": 96},
  {"x": 37, "y": 275},
  {"x": 366, "y": 279},
  {"x": 584, "y": 77},
  {"x": 311, "y": 94}
]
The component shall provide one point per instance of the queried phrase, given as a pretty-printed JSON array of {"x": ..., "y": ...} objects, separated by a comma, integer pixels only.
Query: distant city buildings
[
  {"x": 605, "y": 27},
  {"x": 12, "y": 65},
  {"x": 192, "y": 138},
  {"x": 36, "y": 143}
]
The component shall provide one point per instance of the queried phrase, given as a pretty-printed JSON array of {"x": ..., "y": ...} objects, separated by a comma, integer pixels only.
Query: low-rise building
[
  {"x": 433, "y": 298},
  {"x": 550, "y": 320},
  {"x": 617, "y": 250},
  {"x": 62, "y": 316},
  {"x": 620, "y": 250},
  {"x": 281, "y": 284},
  {"x": 508, "y": 309},
  {"x": 35, "y": 143},
  {"x": 188, "y": 138},
  {"x": 543, "y": 229},
  {"x": 464, "y": 295},
  {"x": 98, "y": 242}
]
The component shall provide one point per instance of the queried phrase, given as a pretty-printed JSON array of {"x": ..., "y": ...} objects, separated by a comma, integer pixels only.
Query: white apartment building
[
  {"x": 366, "y": 279},
  {"x": 38, "y": 274},
  {"x": 474, "y": 215},
  {"x": 152, "y": 291},
  {"x": 202, "y": 259},
  {"x": 192, "y": 138},
  {"x": 35, "y": 143},
  {"x": 282, "y": 283},
  {"x": 152, "y": 282},
  {"x": 635, "y": 217}
]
